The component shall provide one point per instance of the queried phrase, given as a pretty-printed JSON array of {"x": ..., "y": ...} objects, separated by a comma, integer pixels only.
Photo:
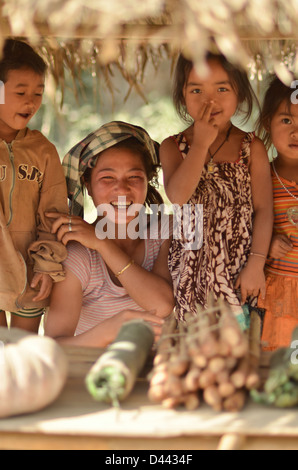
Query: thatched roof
[{"x": 93, "y": 34}]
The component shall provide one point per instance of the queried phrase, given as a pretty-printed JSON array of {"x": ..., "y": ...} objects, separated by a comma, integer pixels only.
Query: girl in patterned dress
[
  {"x": 217, "y": 165},
  {"x": 279, "y": 126}
]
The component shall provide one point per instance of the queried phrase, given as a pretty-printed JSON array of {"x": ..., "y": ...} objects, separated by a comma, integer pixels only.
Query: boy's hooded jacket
[{"x": 32, "y": 182}]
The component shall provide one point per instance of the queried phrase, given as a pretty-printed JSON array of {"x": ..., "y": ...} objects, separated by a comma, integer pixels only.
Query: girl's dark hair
[
  {"x": 238, "y": 77},
  {"x": 133, "y": 144},
  {"x": 17, "y": 55},
  {"x": 276, "y": 93}
]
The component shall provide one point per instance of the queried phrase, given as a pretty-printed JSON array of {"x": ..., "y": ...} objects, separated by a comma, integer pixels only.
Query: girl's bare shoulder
[
  {"x": 239, "y": 137},
  {"x": 238, "y": 134},
  {"x": 168, "y": 147},
  {"x": 188, "y": 133}
]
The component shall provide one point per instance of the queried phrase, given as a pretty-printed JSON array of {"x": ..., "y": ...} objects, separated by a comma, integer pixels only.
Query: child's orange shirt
[
  {"x": 282, "y": 274},
  {"x": 288, "y": 265}
]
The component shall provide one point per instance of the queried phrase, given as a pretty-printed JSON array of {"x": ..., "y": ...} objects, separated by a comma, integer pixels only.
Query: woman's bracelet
[
  {"x": 125, "y": 268},
  {"x": 259, "y": 255}
]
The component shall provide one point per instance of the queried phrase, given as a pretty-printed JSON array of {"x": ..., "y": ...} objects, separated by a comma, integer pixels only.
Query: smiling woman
[
  {"x": 119, "y": 179},
  {"x": 110, "y": 281}
]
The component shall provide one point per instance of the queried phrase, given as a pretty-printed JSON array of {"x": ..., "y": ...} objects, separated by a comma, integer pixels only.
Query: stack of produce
[
  {"x": 206, "y": 357},
  {"x": 281, "y": 386}
]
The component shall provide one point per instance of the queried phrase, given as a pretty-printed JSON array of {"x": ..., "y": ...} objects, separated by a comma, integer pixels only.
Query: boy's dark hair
[
  {"x": 238, "y": 77},
  {"x": 276, "y": 93},
  {"x": 17, "y": 55}
]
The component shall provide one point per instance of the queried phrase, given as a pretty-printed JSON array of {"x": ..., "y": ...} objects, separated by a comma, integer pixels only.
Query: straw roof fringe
[{"x": 77, "y": 35}]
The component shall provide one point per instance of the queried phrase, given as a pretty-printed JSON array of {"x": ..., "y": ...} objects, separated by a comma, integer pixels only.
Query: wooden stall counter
[{"x": 76, "y": 421}]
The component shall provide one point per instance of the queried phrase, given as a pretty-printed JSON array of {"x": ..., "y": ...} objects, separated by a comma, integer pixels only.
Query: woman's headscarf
[{"x": 85, "y": 153}]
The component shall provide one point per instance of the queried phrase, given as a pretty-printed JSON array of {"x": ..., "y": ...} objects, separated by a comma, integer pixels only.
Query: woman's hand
[
  {"x": 72, "y": 228},
  {"x": 281, "y": 245},
  {"x": 251, "y": 281},
  {"x": 112, "y": 326}
]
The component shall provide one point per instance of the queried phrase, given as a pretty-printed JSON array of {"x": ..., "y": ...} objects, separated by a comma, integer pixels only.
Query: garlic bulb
[{"x": 33, "y": 372}]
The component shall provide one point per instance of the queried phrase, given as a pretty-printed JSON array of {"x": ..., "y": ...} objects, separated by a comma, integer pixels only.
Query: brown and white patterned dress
[{"x": 226, "y": 197}]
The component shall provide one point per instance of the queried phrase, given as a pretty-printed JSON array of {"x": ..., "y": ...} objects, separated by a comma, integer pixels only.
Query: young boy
[{"x": 32, "y": 182}]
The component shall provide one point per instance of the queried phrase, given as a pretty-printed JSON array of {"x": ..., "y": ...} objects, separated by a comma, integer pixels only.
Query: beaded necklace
[
  {"x": 292, "y": 211},
  {"x": 210, "y": 164}
]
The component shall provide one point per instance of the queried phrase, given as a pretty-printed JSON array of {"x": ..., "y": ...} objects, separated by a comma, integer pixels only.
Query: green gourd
[{"x": 113, "y": 375}]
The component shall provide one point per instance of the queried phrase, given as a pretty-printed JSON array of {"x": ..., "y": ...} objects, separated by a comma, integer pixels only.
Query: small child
[
  {"x": 217, "y": 165},
  {"x": 31, "y": 182},
  {"x": 278, "y": 125}
]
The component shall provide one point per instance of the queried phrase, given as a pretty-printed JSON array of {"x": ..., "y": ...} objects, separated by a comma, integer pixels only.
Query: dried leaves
[{"x": 130, "y": 33}]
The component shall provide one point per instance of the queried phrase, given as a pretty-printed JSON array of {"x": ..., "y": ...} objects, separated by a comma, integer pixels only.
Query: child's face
[
  {"x": 284, "y": 130},
  {"x": 23, "y": 96},
  {"x": 216, "y": 87},
  {"x": 119, "y": 179}
]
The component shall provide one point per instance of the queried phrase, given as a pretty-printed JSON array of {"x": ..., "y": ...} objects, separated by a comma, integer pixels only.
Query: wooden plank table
[{"x": 76, "y": 421}]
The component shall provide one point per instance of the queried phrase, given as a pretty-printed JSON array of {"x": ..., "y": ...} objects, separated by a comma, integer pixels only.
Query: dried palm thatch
[
  {"x": 79, "y": 55},
  {"x": 77, "y": 35}
]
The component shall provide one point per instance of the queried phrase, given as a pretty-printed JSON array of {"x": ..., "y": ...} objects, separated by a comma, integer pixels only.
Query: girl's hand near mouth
[{"x": 205, "y": 130}]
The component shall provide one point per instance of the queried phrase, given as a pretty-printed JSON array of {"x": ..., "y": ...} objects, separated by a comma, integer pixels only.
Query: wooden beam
[{"x": 158, "y": 33}]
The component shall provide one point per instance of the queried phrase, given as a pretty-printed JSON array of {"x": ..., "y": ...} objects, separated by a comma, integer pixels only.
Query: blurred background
[
  {"x": 95, "y": 104},
  {"x": 84, "y": 111}
]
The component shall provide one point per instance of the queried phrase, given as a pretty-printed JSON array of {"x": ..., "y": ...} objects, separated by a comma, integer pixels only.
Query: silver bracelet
[{"x": 259, "y": 255}]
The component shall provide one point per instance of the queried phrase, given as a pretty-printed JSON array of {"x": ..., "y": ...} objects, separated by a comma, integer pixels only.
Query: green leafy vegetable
[{"x": 114, "y": 374}]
